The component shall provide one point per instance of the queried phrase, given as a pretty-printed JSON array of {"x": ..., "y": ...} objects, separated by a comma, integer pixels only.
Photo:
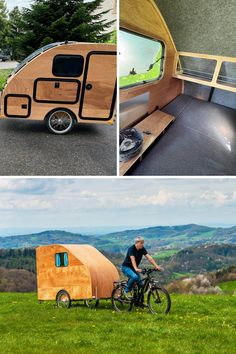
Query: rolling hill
[
  {"x": 172, "y": 237},
  {"x": 201, "y": 259},
  {"x": 45, "y": 238},
  {"x": 217, "y": 282}
]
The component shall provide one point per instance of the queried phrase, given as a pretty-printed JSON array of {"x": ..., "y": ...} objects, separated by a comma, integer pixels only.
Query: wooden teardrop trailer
[
  {"x": 177, "y": 69},
  {"x": 68, "y": 273},
  {"x": 63, "y": 83}
]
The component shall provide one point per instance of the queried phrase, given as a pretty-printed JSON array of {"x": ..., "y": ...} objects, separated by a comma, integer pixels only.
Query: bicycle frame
[{"x": 139, "y": 291}]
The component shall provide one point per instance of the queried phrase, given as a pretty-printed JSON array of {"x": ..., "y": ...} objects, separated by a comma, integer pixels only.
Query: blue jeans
[{"x": 133, "y": 277}]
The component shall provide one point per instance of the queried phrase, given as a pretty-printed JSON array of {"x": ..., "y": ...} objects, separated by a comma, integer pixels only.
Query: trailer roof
[{"x": 38, "y": 52}]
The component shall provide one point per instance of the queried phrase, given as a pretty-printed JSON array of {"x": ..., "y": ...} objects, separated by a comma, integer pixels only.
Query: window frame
[
  {"x": 67, "y": 55},
  {"x": 61, "y": 266},
  {"x": 162, "y": 61}
]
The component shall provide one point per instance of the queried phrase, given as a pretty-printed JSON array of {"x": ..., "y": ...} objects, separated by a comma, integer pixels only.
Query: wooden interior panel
[
  {"x": 102, "y": 76},
  {"x": 155, "y": 124},
  {"x": 143, "y": 16},
  {"x": 66, "y": 92}
]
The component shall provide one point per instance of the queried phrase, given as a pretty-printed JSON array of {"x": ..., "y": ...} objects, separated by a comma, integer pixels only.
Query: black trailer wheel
[
  {"x": 60, "y": 121},
  {"x": 63, "y": 299},
  {"x": 92, "y": 304}
]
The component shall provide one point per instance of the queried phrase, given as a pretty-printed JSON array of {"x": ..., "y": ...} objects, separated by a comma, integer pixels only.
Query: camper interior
[{"x": 178, "y": 85}]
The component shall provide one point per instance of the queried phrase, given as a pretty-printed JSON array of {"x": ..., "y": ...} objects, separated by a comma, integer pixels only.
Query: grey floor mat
[{"x": 201, "y": 141}]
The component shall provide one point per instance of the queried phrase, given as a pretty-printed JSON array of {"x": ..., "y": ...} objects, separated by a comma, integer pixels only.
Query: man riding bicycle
[{"x": 132, "y": 260}]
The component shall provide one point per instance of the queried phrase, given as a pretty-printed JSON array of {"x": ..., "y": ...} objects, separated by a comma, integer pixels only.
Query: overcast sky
[
  {"x": 20, "y": 3},
  {"x": 39, "y": 204}
]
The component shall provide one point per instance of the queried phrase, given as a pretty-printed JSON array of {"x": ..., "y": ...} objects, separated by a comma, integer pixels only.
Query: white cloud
[
  {"x": 128, "y": 201},
  {"x": 27, "y": 203},
  {"x": 162, "y": 198},
  {"x": 217, "y": 198}
]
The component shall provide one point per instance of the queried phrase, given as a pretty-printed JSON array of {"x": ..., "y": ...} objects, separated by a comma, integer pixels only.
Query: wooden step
[{"x": 155, "y": 123}]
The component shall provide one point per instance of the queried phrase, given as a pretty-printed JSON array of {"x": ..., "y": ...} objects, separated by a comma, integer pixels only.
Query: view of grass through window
[{"x": 140, "y": 59}]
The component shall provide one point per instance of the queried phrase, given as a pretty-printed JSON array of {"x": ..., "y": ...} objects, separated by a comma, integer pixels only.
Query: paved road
[
  {"x": 8, "y": 64},
  {"x": 27, "y": 148}
]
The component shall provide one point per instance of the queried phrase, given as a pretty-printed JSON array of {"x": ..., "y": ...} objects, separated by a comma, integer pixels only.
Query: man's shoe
[{"x": 127, "y": 295}]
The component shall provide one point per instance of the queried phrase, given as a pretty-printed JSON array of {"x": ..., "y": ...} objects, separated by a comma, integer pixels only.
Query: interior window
[
  {"x": 68, "y": 65},
  {"x": 140, "y": 59},
  {"x": 227, "y": 74},
  {"x": 196, "y": 67},
  {"x": 61, "y": 259}
]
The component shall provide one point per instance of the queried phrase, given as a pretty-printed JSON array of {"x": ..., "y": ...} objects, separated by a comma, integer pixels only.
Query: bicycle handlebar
[{"x": 149, "y": 271}]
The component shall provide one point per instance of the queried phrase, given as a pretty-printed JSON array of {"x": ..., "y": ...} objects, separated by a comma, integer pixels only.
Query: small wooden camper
[
  {"x": 62, "y": 83},
  {"x": 73, "y": 272}
]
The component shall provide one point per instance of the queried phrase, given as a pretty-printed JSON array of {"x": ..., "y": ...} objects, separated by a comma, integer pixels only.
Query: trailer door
[{"x": 99, "y": 86}]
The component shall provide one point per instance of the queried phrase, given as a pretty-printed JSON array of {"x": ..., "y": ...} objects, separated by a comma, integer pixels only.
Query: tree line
[
  {"x": 18, "y": 259},
  {"x": 22, "y": 31}
]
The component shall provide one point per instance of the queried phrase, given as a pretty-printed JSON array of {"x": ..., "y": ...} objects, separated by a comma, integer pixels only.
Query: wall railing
[{"x": 209, "y": 70}]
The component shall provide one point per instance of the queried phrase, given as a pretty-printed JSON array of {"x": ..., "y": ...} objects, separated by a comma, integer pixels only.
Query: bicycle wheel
[
  {"x": 158, "y": 300},
  {"x": 119, "y": 302}
]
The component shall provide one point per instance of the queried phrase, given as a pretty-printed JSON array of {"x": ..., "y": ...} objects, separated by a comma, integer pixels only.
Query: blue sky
[{"x": 90, "y": 204}]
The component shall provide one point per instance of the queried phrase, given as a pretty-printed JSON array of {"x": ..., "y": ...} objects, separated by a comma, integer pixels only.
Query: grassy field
[
  {"x": 153, "y": 74},
  {"x": 165, "y": 254},
  {"x": 228, "y": 286},
  {"x": 196, "y": 324},
  {"x": 4, "y": 73}
]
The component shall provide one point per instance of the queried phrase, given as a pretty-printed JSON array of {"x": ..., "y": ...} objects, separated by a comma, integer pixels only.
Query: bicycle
[{"x": 158, "y": 298}]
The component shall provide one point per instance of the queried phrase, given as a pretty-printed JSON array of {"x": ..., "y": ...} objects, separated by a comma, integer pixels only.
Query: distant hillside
[
  {"x": 159, "y": 237},
  {"x": 18, "y": 259},
  {"x": 201, "y": 259},
  {"x": 45, "y": 238},
  {"x": 218, "y": 282},
  {"x": 19, "y": 280},
  {"x": 171, "y": 237}
]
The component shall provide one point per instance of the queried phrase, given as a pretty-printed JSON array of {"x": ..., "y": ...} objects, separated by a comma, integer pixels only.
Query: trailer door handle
[
  {"x": 24, "y": 106},
  {"x": 89, "y": 87},
  {"x": 57, "y": 84}
]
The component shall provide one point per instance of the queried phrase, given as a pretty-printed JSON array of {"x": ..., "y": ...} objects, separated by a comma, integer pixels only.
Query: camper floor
[{"x": 201, "y": 141}]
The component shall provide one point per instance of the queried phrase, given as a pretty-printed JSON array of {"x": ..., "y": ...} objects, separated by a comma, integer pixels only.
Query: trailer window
[
  {"x": 68, "y": 65},
  {"x": 61, "y": 259},
  {"x": 140, "y": 59}
]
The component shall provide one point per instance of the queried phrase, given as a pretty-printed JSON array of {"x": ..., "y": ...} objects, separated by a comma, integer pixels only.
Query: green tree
[
  {"x": 3, "y": 24},
  {"x": 14, "y": 33},
  {"x": 50, "y": 21}
]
